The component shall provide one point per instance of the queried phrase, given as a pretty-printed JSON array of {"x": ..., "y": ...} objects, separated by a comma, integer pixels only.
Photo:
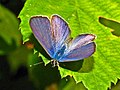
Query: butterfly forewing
[
  {"x": 60, "y": 31},
  {"x": 41, "y": 30}
]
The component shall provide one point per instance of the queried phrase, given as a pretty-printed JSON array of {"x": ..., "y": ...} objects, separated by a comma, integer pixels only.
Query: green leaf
[
  {"x": 82, "y": 16},
  {"x": 9, "y": 35}
]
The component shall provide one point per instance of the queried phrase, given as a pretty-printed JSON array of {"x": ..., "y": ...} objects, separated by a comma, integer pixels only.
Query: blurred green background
[{"x": 13, "y": 54}]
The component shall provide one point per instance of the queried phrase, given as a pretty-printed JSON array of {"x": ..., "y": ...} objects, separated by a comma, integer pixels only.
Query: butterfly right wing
[
  {"x": 81, "y": 47},
  {"x": 42, "y": 32},
  {"x": 61, "y": 31}
]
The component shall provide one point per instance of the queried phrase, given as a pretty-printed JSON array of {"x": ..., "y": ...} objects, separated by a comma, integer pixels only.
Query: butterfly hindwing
[{"x": 81, "y": 47}]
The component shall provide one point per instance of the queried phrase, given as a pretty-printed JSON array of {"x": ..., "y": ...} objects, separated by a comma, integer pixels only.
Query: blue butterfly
[{"x": 54, "y": 36}]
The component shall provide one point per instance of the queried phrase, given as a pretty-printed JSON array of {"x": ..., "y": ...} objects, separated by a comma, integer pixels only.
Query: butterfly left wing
[
  {"x": 81, "y": 47},
  {"x": 42, "y": 32}
]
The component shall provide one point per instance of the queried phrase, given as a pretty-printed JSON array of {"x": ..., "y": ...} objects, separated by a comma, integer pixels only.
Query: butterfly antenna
[{"x": 36, "y": 64}]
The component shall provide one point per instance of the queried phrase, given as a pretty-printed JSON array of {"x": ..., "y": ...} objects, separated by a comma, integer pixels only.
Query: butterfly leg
[{"x": 54, "y": 62}]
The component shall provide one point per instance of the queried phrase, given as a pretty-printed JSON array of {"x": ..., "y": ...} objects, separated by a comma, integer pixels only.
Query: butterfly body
[
  {"x": 54, "y": 36},
  {"x": 59, "y": 53}
]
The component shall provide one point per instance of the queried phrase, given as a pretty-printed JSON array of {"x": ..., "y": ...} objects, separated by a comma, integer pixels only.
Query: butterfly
[{"x": 54, "y": 36}]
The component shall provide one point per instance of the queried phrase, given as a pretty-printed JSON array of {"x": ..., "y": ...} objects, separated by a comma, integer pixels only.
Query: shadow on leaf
[
  {"x": 88, "y": 65},
  {"x": 81, "y": 66},
  {"x": 73, "y": 65},
  {"x": 38, "y": 47},
  {"x": 115, "y": 25}
]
